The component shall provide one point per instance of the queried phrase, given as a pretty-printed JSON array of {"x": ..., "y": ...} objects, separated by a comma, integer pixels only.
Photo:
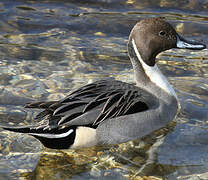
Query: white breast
[{"x": 155, "y": 74}]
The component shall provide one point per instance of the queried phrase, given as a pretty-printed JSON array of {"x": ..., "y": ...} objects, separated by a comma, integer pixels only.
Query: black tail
[
  {"x": 50, "y": 138},
  {"x": 21, "y": 129}
]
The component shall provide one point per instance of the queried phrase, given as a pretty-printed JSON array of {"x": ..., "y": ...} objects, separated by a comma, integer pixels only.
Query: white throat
[{"x": 154, "y": 74}]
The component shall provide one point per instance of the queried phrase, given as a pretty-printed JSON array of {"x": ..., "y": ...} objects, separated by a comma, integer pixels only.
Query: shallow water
[{"x": 48, "y": 48}]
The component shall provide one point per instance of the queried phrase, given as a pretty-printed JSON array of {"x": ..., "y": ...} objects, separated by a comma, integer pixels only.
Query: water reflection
[
  {"x": 126, "y": 160},
  {"x": 48, "y": 48}
]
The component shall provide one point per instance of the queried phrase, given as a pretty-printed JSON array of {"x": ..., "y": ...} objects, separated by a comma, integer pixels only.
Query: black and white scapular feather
[{"x": 87, "y": 107}]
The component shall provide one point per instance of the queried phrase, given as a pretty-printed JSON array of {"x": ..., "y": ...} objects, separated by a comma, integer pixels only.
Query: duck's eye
[{"x": 162, "y": 33}]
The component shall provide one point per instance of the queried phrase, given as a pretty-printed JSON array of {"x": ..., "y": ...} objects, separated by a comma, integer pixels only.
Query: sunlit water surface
[{"x": 48, "y": 48}]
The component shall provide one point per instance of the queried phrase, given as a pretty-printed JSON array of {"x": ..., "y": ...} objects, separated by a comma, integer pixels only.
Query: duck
[{"x": 109, "y": 111}]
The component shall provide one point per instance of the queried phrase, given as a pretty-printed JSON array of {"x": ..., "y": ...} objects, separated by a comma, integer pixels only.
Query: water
[{"x": 48, "y": 48}]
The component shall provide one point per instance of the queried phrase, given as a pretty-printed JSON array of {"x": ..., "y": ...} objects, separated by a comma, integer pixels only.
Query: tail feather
[
  {"x": 20, "y": 129},
  {"x": 50, "y": 138},
  {"x": 40, "y": 104},
  {"x": 59, "y": 140}
]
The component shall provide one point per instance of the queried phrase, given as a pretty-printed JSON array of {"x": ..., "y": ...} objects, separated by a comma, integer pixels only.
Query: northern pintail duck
[{"x": 110, "y": 111}]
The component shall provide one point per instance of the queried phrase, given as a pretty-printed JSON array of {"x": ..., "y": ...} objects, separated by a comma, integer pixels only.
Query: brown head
[{"x": 154, "y": 35}]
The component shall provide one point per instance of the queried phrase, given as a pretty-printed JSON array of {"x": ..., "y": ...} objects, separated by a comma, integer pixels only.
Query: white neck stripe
[
  {"x": 154, "y": 74},
  {"x": 53, "y": 136}
]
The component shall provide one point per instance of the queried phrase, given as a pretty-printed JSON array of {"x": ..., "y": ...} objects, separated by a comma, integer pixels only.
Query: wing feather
[
  {"x": 92, "y": 104},
  {"x": 68, "y": 106}
]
